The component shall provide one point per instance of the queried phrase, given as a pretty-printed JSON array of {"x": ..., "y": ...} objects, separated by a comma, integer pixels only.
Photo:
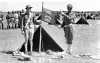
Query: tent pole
[{"x": 40, "y": 41}]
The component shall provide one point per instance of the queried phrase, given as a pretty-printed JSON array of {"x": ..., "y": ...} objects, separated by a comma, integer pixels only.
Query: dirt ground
[{"x": 12, "y": 39}]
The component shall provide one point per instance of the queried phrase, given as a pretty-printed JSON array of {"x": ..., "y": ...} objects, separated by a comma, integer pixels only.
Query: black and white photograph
[{"x": 49, "y": 31}]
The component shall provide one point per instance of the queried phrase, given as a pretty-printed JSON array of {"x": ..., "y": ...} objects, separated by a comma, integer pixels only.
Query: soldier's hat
[{"x": 28, "y": 7}]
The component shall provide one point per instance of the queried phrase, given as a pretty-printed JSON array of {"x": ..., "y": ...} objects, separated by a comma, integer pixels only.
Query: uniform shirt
[
  {"x": 1, "y": 17},
  {"x": 12, "y": 17},
  {"x": 16, "y": 16},
  {"x": 8, "y": 16},
  {"x": 68, "y": 19},
  {"x": 28, "y": 20}
]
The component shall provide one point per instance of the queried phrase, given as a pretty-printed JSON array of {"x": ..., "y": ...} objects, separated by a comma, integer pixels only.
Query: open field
[{"x": 86, "y": 41}]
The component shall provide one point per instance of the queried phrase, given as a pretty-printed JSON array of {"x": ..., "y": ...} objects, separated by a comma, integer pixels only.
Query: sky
[{"x": 78, "y": 5}]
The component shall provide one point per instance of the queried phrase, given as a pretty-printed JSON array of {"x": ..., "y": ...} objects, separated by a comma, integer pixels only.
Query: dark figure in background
[
  {"x": 1, "y": 23},
  {"x": 12, "y": 19},
  {"x": 16, "y": 19},
  {"x": 68, "y": 19},
  {"x": 21, "y": 17},
  {"x": 57, "y": 19},
  {"x": 8, "y": 20},
  {"x": 60, "y": 18}
]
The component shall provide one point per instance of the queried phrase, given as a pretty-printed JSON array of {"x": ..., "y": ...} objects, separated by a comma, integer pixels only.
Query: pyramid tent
[
  {"x": 82, "y": 21},
  {"x": 89, "y": 17},
  {"x": 48, "y": 41}
]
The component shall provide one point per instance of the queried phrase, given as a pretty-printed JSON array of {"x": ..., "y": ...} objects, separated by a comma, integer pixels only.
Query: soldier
[
  {"x": 21, "y": 17},
  {"x": 68, "y": 19},
  {"x": 60, "y": 18},
  {"x": 16, "y": 19},
  {"x": 12, "y": 19},
  {"x": 28, "y": 28},
  {"x": 8, "y": 20},
  {"x": 1, "y": 23}
]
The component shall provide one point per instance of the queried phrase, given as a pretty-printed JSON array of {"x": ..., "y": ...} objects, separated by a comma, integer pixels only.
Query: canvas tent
[
  {"x": 88, "y": 17},
  {"x": 49, "y": 39},
  {"x": 82, "y": 21}
]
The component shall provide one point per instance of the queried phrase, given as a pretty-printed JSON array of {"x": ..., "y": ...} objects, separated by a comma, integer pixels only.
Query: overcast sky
[{"x": 78, "y": 5}]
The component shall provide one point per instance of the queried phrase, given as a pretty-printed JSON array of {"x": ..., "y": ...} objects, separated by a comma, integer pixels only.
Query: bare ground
[{"x": 85, "y": 42}]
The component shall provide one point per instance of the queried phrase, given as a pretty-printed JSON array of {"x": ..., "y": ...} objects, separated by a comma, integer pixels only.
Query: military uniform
[
  {"x": 8, "y": 21},
  {"x": 28, "y": 22},
  {"x": 12, "y": 20},
  {"x": 67, "y": 26},
  {"x": 16, "y": 19},
  {"x": 29, "y": 29}
]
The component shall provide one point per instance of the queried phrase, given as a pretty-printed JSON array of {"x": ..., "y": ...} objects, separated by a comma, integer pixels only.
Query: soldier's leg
[
  {"x": 2, "y": 26},
  {"x": 7, "y": 23},
  {"x": 31, "y": 39},
  {"x": 69, "y": 48},
  {"x": 16, "y": 24},
  {"x": 12, "y": 25},
  {"x": 66, "y": 31},
  {"x": 26, "y": 40},
  {"x": 31, "y": 42},
  {"x": 69, "y": 40}
]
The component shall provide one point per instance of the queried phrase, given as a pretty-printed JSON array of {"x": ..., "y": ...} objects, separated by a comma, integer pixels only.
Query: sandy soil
[{"x": 86, "y": 39}]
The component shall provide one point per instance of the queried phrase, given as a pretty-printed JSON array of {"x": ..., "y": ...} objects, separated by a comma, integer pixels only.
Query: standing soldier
[
  {"x": 12, "y": 20},
  {"x": 28, "y": 28},
  {"x": 8, "y": 20},
  {"x": 1, "y": 23},
  {"x": 16, "y": 19},
  {"x": 21, "y": 17},
  {"x": 68, "y": 19}
]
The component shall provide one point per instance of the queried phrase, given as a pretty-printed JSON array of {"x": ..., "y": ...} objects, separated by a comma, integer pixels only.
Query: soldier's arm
[
  {"x": 35, "y": 18},
  {"x": 63, "y": 24},
  {"x": 65, "y": 15},
  {"x": 22, "y": 22},
  {"x": 73, "y": 19}
]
